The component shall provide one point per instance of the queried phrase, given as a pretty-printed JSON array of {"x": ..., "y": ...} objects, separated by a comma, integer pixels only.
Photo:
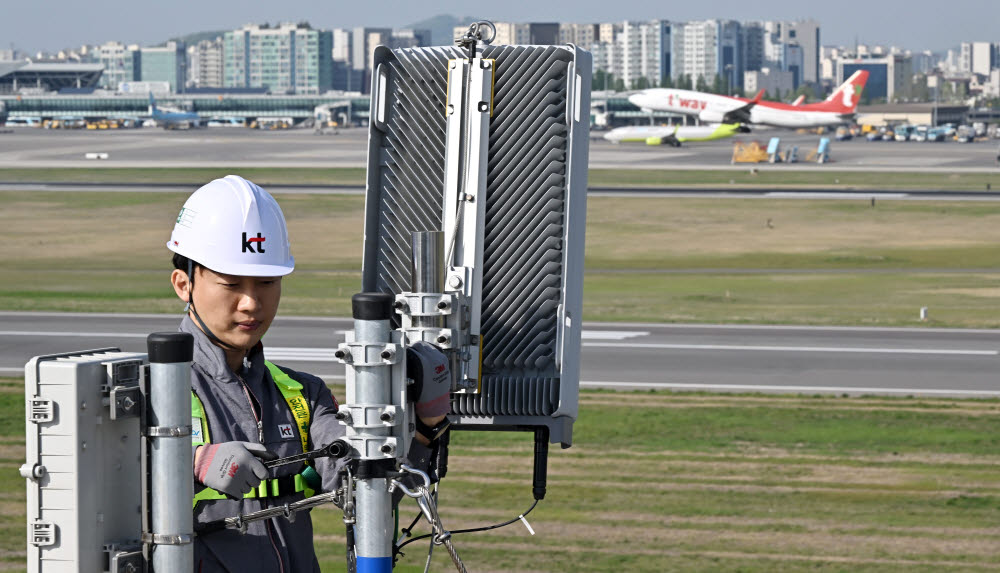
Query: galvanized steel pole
[
  {"x": 169, "y": 431},
  {"x": 372, "y": 386}
]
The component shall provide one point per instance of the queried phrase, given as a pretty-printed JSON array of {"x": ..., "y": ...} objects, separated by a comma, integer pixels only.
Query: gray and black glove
[
  {"x": 428, "y": 367},
  {"x": 232, "y": 468}
]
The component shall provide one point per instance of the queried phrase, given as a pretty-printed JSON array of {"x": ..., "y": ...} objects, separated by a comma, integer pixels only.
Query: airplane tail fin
[
  {"x": 798, "y": 101},
  {"x": 152, "y": 104},
  {"x": 845, "y": 98}
]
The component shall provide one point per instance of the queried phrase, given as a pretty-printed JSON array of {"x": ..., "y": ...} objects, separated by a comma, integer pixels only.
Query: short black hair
[{"x": 181, "y": 263}]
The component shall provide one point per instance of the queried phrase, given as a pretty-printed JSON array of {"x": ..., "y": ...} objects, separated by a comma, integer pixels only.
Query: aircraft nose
[{"x": 639, "y": 100}]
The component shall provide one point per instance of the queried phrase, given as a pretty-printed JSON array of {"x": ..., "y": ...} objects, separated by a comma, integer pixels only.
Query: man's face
[{"x": 238, "y": 310}]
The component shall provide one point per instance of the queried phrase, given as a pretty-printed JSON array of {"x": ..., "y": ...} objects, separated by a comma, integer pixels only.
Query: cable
[{"x": 473, "y": 530}]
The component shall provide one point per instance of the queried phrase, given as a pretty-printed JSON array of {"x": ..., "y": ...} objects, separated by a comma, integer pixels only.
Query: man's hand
[
  {"x": 231, "y": 467},
  {"x": 428, "y": 367}
]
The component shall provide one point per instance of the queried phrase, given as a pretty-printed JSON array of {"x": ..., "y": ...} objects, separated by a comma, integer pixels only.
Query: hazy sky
[{"x": 914, "y": 24}]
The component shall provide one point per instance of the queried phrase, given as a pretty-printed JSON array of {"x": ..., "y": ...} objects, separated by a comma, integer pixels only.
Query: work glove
[
  {"x": 428, "y": 367},
  {"x": 232, "y": 467}
]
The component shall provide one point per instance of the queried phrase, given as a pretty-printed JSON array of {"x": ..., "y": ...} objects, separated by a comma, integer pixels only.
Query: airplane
[
  {"x": 674, "y": 134},
  {"x": 840, "y": 107},
  {"x": 172, "y": 119}
]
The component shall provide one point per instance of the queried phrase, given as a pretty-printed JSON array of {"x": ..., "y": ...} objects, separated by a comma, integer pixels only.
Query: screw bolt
[
  {"x": 386, "y": 449},
  {"x": 386, "y": 354}
]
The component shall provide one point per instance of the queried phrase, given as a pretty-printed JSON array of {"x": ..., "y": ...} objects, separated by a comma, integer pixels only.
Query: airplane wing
[
  {"x": 798, "y": 101},
  {"x": 742, "y": 113}
]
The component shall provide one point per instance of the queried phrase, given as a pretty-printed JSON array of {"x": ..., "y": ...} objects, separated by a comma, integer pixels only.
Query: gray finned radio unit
[{"x": 490, "y": 149}]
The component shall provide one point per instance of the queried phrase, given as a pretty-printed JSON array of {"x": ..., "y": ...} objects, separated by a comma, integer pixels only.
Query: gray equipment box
[
  {"x": 83, "y": 466},
  {"x": 533, "y": 242}
]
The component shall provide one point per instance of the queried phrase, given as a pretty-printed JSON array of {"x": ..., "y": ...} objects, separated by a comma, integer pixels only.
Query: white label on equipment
[{"x": 286, "y": 431}]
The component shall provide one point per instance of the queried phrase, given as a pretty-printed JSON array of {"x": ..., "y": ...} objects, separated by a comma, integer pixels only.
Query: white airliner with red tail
[{"x": 839, "y": 108}]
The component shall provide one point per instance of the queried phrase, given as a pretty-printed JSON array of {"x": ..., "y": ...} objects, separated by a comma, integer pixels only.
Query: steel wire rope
[{"x": 474, "y": 529}]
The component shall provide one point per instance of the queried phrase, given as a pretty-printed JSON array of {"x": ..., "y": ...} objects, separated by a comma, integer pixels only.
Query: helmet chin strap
[{"x": 201, "y": 323}]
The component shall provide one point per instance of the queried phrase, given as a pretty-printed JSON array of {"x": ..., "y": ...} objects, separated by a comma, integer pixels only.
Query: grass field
[
  {"x": 770, "y": 177},
  {"x": 688, "y": 482},
  {"x": 647, "y": 259}
]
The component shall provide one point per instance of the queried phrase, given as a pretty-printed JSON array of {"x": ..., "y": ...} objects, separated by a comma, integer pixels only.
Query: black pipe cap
[
  {"x": 372, "y": 305},
  {"x": 170, "y": 347}
]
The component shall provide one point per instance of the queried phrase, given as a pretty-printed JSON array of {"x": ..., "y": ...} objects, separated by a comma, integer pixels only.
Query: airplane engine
[
  {"x": 711, "y": 117},
  {"x": 654, "y": 141}
]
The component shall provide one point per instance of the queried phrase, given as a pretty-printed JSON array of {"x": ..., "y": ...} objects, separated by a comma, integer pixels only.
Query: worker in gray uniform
[{"x": 231, "y": 251}]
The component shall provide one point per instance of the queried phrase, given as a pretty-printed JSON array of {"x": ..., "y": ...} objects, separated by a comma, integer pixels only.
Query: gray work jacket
[{"x": 276, "y": 544}]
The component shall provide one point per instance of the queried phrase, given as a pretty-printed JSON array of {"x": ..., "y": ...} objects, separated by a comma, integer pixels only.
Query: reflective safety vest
[{"x": 307, "y": 481}]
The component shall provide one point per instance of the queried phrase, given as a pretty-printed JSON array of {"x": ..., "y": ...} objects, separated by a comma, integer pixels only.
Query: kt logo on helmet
[{"x": 248, "y": 243}]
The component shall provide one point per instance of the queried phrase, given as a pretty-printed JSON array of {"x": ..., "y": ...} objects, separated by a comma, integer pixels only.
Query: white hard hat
[{"x": 234, "y": 227}]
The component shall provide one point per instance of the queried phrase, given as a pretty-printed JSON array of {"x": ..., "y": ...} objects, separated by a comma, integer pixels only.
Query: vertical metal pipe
[
  {"x": 427, "y": 270},
  {"x": 171, "y": 485},
  {"x": 373, "y": 385}
]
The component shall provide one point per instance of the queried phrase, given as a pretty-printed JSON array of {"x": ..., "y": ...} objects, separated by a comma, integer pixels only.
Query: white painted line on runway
[
  {"x": 611, "y": 334},
  {"x": 848, "y": 350},
  {"x": 77, "y": 334},
  {"x": 5, "y": 369},
  {"x": 834, "y": 195},
  {"x": 807, "y": 389}
]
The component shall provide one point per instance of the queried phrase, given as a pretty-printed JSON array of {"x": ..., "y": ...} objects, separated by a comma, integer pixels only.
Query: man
[{"x": 231, "y": 251}]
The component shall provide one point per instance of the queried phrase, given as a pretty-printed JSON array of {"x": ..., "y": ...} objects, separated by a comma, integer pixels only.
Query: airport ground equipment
[
  {"x": 822, "y": 152},
  {"x": 774, "y": 150},
  {"x": 752, "y": 152}
]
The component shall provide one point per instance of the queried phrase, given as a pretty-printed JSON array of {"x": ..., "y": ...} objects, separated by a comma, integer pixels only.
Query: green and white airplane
[{"x": 674, "y": 135}]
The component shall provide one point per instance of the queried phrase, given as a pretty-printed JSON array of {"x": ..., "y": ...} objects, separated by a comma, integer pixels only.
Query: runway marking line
[
  {"x": 845, "y": 349},
  {"x": 776, "y": 388}
]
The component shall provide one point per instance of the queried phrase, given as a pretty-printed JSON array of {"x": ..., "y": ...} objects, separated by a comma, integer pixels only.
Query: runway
[
  {"x": 718, "y": 358},
  {"x": 27, "y": 147}
]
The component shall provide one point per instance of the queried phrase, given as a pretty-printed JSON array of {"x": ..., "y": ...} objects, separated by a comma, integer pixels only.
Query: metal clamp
[
  {"x": 168, "y": 538},
  {"x": 363, "y": 354},
  {"x": 424, "y": 304},
  {"x": 441, "y": 337},
  {"x": 125, "y": 402},
  {"x": 168, "y": 431}
]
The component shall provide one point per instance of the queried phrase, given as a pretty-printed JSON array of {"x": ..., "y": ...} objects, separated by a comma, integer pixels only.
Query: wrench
[{"x": 336, "y": 449}]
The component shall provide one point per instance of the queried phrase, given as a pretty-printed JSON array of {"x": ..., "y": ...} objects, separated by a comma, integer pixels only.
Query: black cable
[{"x": 473, "y": 530}]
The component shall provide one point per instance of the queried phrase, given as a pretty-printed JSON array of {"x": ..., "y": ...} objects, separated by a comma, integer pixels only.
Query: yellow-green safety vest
[{"x": 291, "y": 390}]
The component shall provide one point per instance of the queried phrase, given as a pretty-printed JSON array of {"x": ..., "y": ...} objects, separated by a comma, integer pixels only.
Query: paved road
[
  {"x": 932, "y": 362},
  {"x": 226, "y": 147}
]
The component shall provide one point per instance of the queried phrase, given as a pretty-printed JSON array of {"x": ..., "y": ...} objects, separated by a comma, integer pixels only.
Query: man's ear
[{"x": 182, "y": 284}]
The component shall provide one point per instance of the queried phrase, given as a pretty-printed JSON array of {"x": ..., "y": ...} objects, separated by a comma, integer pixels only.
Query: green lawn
[
  {"x": 647, "y": 259},
  {"x": 693, "y": 482}
]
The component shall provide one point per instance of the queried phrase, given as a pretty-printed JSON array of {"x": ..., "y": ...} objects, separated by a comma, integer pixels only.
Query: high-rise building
[
  {"x": 706, "y": 49},
  {"x": 645, "y": 53},
  {"x": 121, "y": 64},
  {"x": 165, "y": 64},
  {"x": 206, "y": 64},
  {"x": 286, "y": 59},
  {"x": 363, "y": 44},
  {"x": 978, "y": 58},
  {"x": 343, "y": 43},
  {"x": 889, "y": 76},
  {"x": 582, "y": 35}
]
